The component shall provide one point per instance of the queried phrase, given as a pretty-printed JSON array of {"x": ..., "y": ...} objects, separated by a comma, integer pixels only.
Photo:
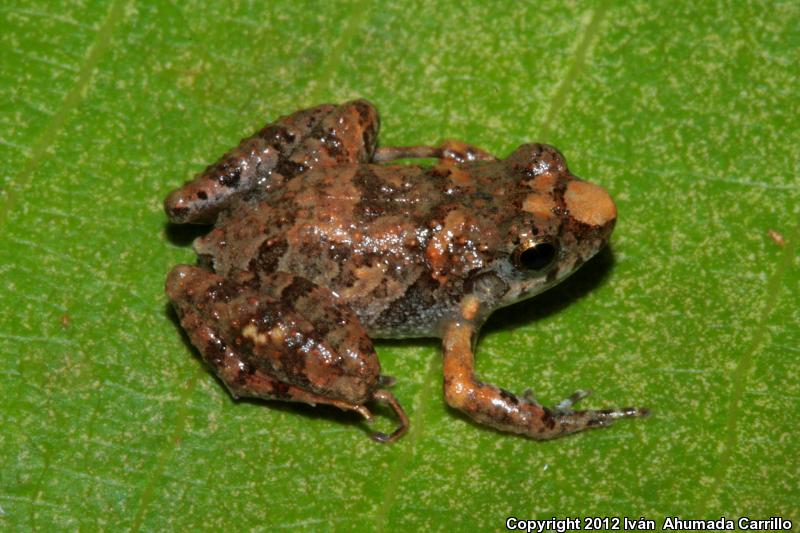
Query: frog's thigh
[
  {"x": 450, "y": 150},
  {"x": 275, "y": 153},
  {"x": 503, "y": 410},
  {"x": 259, "y": 332}
]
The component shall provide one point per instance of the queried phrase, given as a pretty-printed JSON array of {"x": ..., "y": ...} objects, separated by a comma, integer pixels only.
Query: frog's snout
[{"x": 590, "y": 204}]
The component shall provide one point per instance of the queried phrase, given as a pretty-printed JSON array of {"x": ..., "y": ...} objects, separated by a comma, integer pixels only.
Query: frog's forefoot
[
  {"x": 386, "y": 396},
  {"x": 502, "y": 410},
  {"x": 572, "y": 421}
]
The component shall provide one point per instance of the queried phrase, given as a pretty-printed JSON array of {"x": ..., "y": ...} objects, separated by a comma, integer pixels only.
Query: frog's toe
[
  {"x": 529, "y": 396},
  {"x": 388, "y": 397},
  {"x": 573, "y": 421},
  {"x": 623, "y": 412},
  {"x": 363, "y": 411},
  {"x": 630, "y": 412},
  {"x": 565, "y": 405}
]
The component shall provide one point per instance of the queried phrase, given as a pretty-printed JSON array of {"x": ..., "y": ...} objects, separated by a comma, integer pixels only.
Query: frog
[{"x": 322, "y": 241}]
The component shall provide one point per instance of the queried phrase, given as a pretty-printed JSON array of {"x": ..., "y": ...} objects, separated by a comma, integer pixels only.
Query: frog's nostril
[{"x": 589, "y": 203}]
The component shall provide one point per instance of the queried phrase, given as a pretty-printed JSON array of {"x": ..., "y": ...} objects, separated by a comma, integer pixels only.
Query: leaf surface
[{"x": 687, "y": 113}]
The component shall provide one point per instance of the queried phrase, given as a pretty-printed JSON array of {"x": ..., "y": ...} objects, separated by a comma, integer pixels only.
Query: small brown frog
[{"x": 318, "y": 246}]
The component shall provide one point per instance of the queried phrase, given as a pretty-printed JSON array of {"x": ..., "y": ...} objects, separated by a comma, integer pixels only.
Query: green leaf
[{"x": 686, "y": 112}]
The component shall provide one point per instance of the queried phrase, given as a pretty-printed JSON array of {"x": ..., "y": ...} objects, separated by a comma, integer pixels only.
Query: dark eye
[{"x": 534, "y": 256}]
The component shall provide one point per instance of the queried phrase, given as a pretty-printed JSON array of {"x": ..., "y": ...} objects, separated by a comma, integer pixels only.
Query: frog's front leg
[
  {"x": 278, "y": 336},
  {"x": 503, "y": 410},
  {"x": 450, "y": 151}
]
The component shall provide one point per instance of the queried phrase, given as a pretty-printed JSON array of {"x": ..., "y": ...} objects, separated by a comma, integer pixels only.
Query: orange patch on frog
[
  {"x": 469, "y": 307},
  {"x": 589, "y": 203},
  {"x": 438, "y": 246},
  {"x": 539, "y": 204},
  {"x": 543, "y": 183},
  {"x": 459, "y": 176}
]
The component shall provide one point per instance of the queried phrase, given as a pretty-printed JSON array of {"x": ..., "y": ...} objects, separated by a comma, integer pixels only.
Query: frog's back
[{"x": 360, "y": 230}]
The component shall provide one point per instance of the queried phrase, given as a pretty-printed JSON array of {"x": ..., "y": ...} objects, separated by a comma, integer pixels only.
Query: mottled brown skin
[{"x": 317, "y": 248}]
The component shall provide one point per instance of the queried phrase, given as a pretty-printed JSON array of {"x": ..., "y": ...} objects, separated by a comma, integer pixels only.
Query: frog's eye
[{"x": 534, "y": 256}]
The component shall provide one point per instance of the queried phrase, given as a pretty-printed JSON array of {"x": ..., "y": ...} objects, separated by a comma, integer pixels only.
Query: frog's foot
[
  {"x": 319, "y": 136},
  {"x": 502, "y": 410},
  {"x": 573, "y": 421},
  {"x": 449, "y": 151},
  {"x": 380, "y": 396}
]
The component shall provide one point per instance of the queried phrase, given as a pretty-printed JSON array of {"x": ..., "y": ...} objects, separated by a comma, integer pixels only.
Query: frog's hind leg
[
  {"x": 281, "y": 337},
  {"x": 320, "y": 136},
  {"x": 502, "y": 410},
  {"x": 451, "y": 150}
]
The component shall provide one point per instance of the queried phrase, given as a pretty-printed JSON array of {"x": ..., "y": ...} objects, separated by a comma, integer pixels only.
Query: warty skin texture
[{"x": 319, "y": 246}]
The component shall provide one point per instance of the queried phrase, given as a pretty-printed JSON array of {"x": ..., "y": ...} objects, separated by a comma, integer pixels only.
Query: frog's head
[{"x": 557, "y": 223}]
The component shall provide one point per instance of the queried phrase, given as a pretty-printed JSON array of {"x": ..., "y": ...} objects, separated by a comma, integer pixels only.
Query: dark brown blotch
[
  {"x": 267, "y": 316},
  {"x": 298, "y": 288},
  {"x": 269, "y": 255},
  {"x": 424, "y": 293},
  {"x": 230, "y": 174},
  {"x": 214, "y": 352},
  {"x": 281, "y": 390},
  {"x": 246, "y": 370},
  {"x": 277, "y": 136},
  {"x": 509, "y": 397},
  {"x": 364, "y": 110},
  {"x": 332, "y": 143},
  {"x": 548, "y": 420},
  {"x": 374, "y": 194},
  {"x": 293, "y": 363},
  {"x": 289, "y": 169}
]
